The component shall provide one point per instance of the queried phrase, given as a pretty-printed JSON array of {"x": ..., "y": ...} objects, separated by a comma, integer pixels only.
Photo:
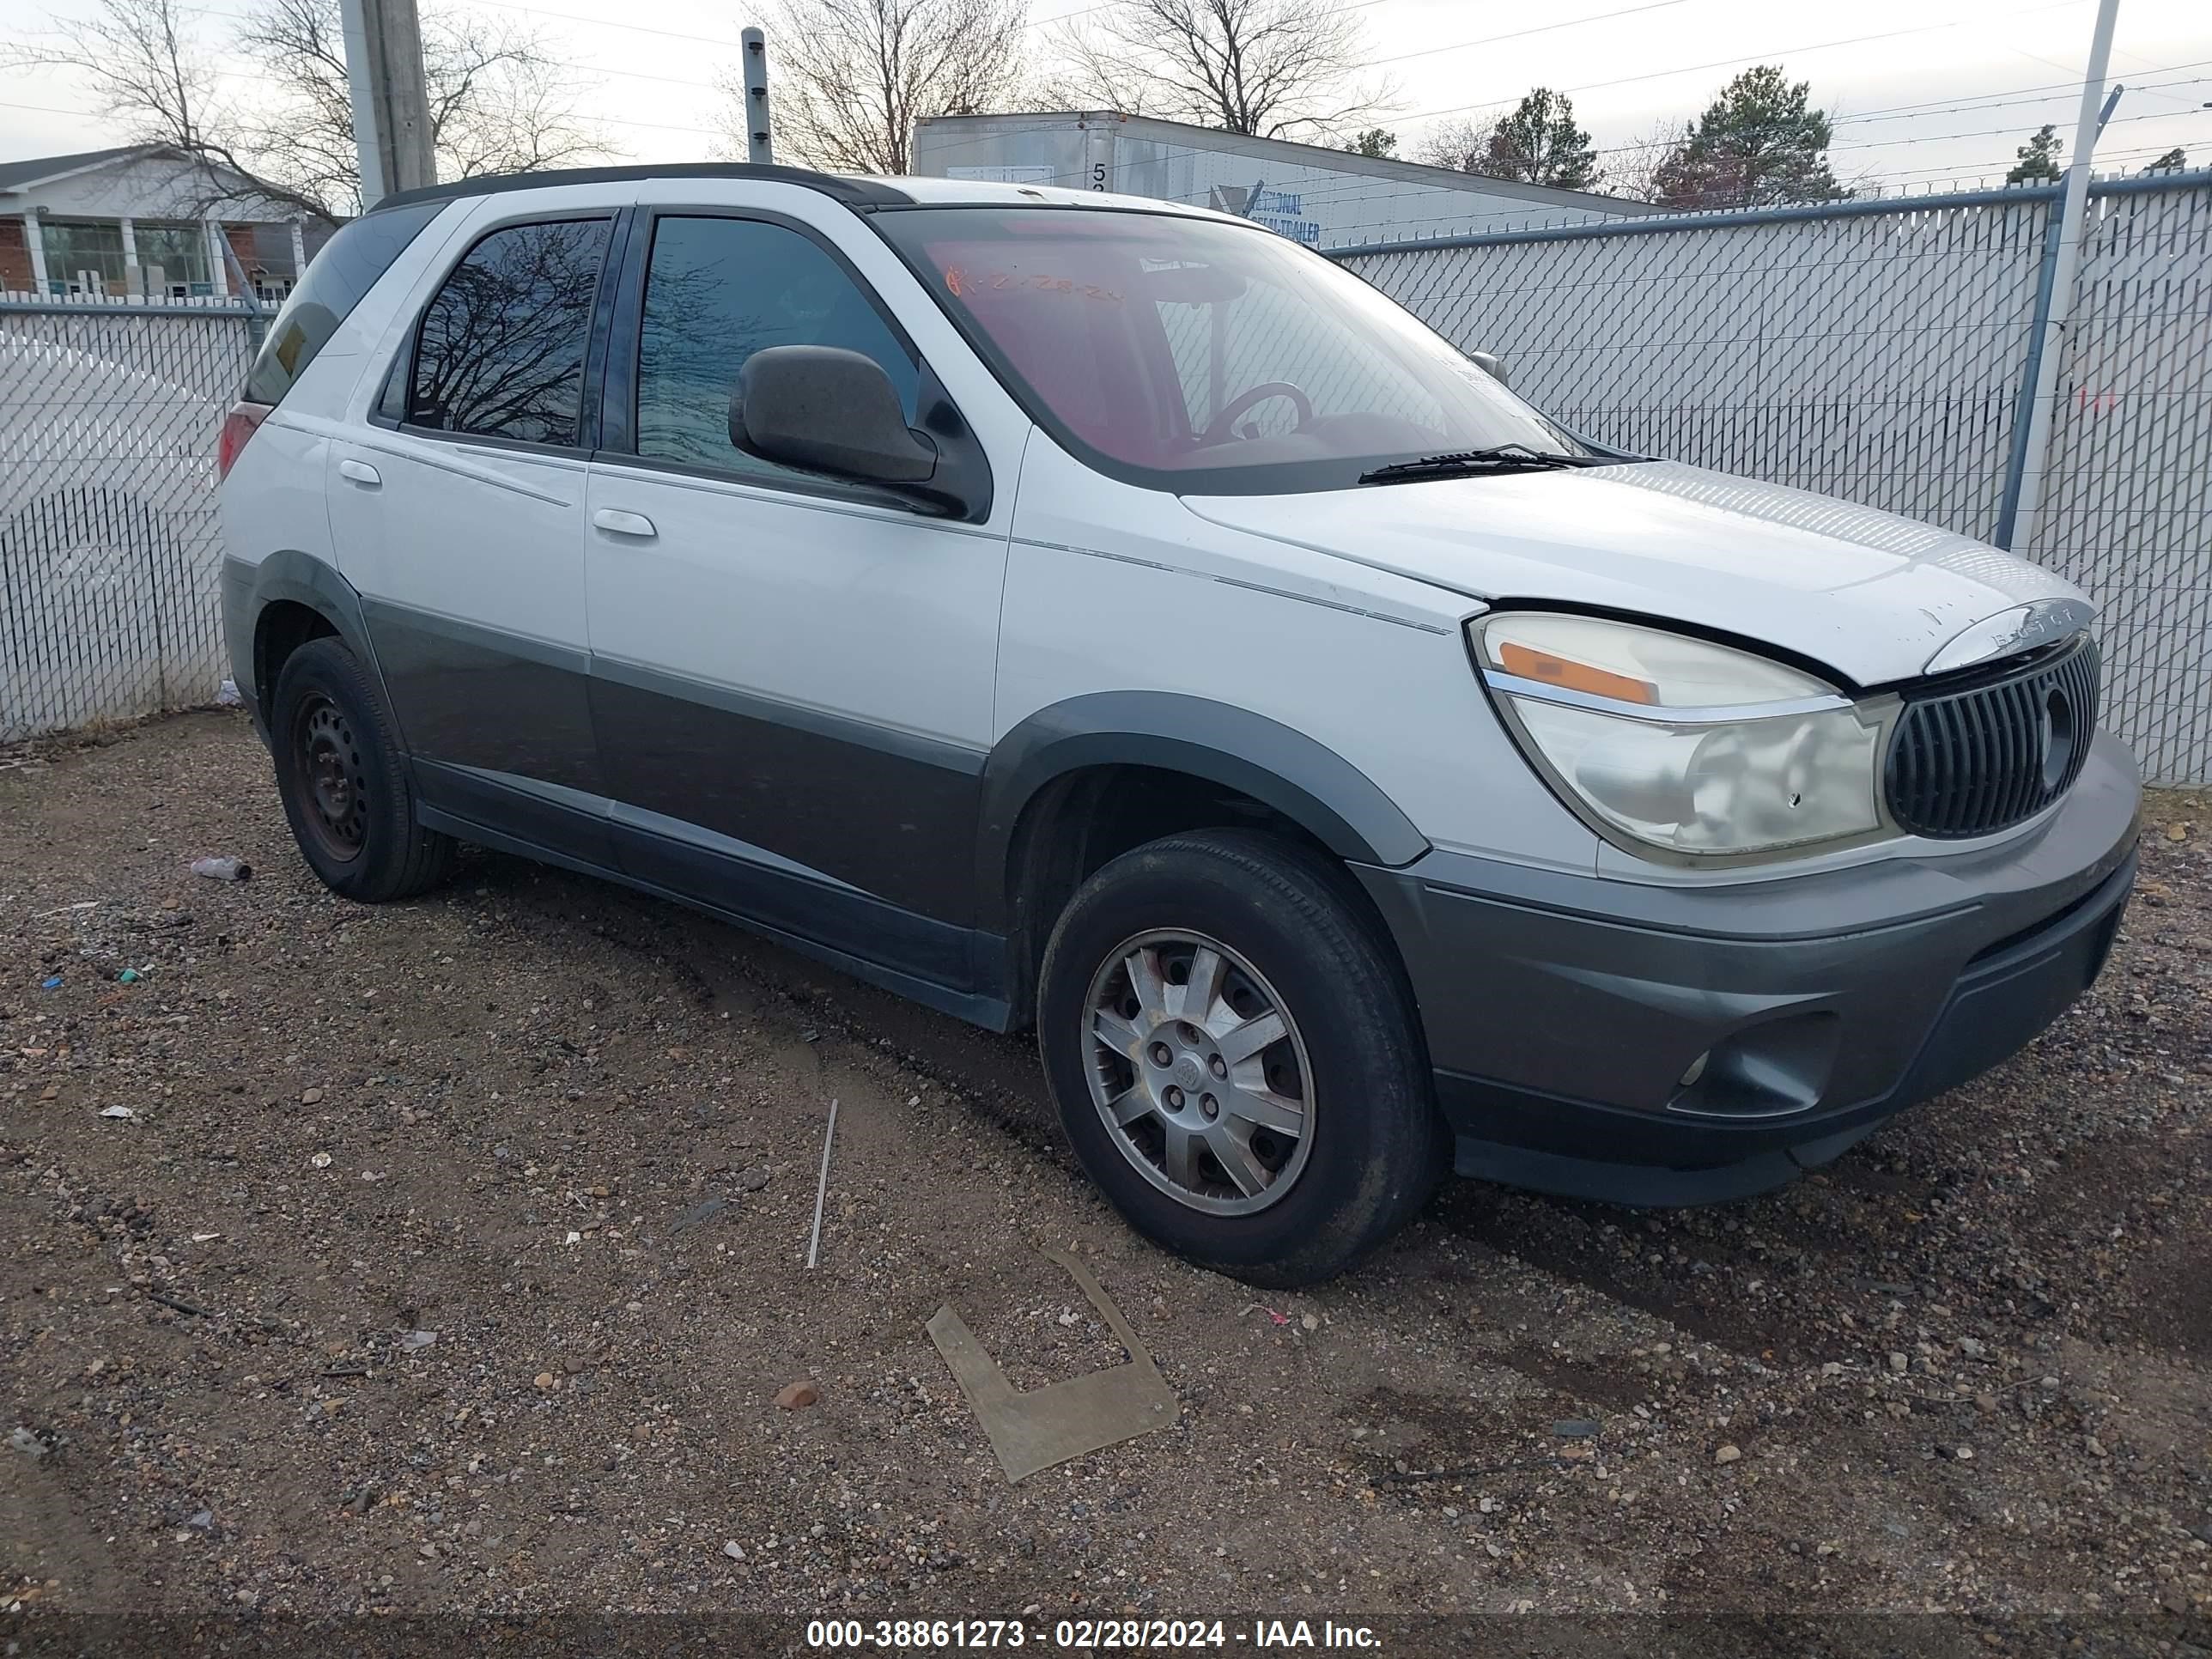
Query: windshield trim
[{"x": 1261, "y": 478}]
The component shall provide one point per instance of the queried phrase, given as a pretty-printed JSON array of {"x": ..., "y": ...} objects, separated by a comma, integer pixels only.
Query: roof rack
[{"x": 854, "y": 192}]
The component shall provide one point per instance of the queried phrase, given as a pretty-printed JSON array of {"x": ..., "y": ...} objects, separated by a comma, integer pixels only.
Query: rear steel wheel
[
  {"x": 338, "y": 795},
  {"x": 344, "y": 781}
]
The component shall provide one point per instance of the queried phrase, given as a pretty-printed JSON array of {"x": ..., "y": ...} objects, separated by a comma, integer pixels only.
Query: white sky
[{"x": 651, "y": 70}]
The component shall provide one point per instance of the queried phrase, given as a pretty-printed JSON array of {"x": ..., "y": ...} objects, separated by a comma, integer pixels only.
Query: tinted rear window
[
  {"x": 346, "y": 268},
  {"x": 501, "y": 349}
]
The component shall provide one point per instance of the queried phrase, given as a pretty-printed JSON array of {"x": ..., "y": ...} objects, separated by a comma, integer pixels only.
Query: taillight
[{"x": 243, "y": 420}]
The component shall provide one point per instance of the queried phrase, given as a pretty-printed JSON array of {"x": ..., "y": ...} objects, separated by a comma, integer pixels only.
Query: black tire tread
[
  {"x": 403, "y": 859},
  {"x": 1306, "y": 892}
]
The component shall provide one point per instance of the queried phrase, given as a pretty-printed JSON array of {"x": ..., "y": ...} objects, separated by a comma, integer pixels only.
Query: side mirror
[
  {"x": 827, "y": 410},
  {"x": 1491, "y": 364}
]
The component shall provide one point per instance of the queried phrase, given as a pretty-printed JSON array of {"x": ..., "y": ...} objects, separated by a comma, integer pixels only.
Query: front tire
[
  {"x": 343, "y": 780},
  {"x": 1234, "y": 1058}
]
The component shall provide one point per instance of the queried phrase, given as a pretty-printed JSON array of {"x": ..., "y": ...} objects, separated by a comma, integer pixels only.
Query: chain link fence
[
  {"x": 1873, "y": 351},
  {"x": 2127, "y": 511},
  {"x": 109, "y": 545}
]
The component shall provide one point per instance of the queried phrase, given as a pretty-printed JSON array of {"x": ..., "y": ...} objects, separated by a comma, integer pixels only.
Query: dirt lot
[{"x": 400, "y": 1289}]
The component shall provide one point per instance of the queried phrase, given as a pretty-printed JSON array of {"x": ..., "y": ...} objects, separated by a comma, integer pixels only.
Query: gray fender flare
[
  {"x": 251, "y": 589},
  {"x": 1302, "y": 779},
  {"x": 248, "y": 590}
]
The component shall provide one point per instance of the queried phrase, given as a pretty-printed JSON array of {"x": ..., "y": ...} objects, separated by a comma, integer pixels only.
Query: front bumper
[{"x": 1563, "y": 1013}]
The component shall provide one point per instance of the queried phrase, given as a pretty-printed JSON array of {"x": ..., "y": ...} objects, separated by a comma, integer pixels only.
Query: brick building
[{"x": 134, "y": 221}]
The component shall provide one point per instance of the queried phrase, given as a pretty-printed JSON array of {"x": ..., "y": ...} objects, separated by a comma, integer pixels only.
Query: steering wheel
[{"x": 1219, "y": 429}]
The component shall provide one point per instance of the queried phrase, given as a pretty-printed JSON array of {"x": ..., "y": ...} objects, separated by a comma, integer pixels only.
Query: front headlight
[{"x": 1680, "y": 745}]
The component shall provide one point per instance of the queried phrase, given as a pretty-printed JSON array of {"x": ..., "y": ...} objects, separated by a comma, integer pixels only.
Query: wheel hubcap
[
  {"x": 1199, "y": 1072},
  {"x": 334, "y": 787}
]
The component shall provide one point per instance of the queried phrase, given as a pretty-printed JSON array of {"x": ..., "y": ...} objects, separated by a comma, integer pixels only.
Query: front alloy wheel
[
  {"x": 1199, "y": 1072},
  {"x": 1233, "y": 1054}
]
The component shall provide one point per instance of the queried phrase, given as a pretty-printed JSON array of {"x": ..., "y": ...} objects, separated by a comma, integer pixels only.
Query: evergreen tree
[
  {"x": 1374, "y": 143},
  {"x": 2175, "y": 161},
  {"x": 2039, "y": 159},
  {"x": 1539, "y": 143},
  {"x": 1761, "y": 143}
]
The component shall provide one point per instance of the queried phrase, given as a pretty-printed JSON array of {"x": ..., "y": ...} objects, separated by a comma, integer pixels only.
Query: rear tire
[
  {"x": 1234, "y": 1058},
  {"x": 344, "y": 781}
]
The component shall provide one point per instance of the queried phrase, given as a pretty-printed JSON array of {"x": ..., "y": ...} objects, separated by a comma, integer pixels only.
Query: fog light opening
[{"x": 1768, "y": 1069}]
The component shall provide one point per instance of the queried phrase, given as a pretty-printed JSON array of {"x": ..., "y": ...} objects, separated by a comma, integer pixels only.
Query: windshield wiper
[{"x": 1498, "y": 457}]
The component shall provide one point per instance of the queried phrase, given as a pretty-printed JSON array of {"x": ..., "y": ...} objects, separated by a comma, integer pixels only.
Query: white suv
[{"x": 1081, "y": 612}]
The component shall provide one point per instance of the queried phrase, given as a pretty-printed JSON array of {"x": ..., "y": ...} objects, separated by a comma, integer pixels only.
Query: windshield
[{"x": 1206, "y": 358}]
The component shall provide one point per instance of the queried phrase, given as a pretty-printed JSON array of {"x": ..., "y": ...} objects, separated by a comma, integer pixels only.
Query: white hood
[{"x": 1872, "y": 595}]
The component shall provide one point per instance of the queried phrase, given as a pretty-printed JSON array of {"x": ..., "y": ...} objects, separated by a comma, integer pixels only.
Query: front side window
[
  {"x": 1197, "y": 356},
  {"x": 718, "y": 290},
  {"x": 500, "y": 352}
]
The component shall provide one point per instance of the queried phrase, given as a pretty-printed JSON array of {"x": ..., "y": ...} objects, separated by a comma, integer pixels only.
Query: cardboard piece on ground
[{"x": 1051, "y": 1425}]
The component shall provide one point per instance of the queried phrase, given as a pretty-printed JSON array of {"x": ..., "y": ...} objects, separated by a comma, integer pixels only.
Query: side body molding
[{"x": 1303, "y": 780}]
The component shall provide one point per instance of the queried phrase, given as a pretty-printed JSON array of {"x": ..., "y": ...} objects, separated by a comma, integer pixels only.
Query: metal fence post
[
  {"x": 2024, "y": 495},
  {"x": 257, "y": 324},
  {"x": 2030, "y": 375}
]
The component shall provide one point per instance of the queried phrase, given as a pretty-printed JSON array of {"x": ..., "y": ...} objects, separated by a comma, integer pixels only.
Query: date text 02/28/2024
[{"x": 1093, "y": 1635}]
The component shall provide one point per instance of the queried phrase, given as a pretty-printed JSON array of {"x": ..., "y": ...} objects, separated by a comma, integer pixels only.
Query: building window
[
  {"x": 179, "y": 252},
  {"x": 265, "y": 251},
  {"x": 15, "y": 259},
  {"x": 84, "y": 257}
]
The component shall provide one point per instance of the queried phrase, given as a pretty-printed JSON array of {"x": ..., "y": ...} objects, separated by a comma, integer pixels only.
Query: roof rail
[{"x": 854, "y": 192}]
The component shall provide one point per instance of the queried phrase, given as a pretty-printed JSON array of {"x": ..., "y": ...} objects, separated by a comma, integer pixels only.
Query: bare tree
[
  {"x": 1271, "y": 68},
  {"x": 300, "y": 45},
  {"x": 501, "y": 99},
  {"x": 498, "y": 100},
  {"x": 1458, "y": 144},
  {"x": 1634, "y": 169},
  {"x": 147, "y": 71},
  {"x": 852, "y": 76}
]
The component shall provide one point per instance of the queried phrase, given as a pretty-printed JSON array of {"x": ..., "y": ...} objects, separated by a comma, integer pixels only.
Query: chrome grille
[{"x": 1980, "y": 758}]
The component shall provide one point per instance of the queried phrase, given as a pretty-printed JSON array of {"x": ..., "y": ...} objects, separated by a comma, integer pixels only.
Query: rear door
[
  {"x": 793, "y": 677},
  {"x": 458, "y": 509}
]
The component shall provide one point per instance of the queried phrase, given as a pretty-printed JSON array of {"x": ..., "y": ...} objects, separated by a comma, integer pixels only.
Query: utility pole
[
  {"x": 390, "y": 109},
  {"x": 2016, "y": 523},
  {"x": 759, "y": 149}
]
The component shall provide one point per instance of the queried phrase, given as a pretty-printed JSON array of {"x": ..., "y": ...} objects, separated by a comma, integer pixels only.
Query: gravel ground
[{"x": 451, "y": 1256}]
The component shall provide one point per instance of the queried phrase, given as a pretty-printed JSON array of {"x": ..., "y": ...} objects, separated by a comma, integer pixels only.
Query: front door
[
  {"x": 792, "y": 678},
  {"x": 457, "y": 512}
]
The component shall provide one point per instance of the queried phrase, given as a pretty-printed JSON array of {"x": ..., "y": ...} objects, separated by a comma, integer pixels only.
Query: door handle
[
  {"x": 617, "y": 522},
  {"x": 361, "y": 472}
]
